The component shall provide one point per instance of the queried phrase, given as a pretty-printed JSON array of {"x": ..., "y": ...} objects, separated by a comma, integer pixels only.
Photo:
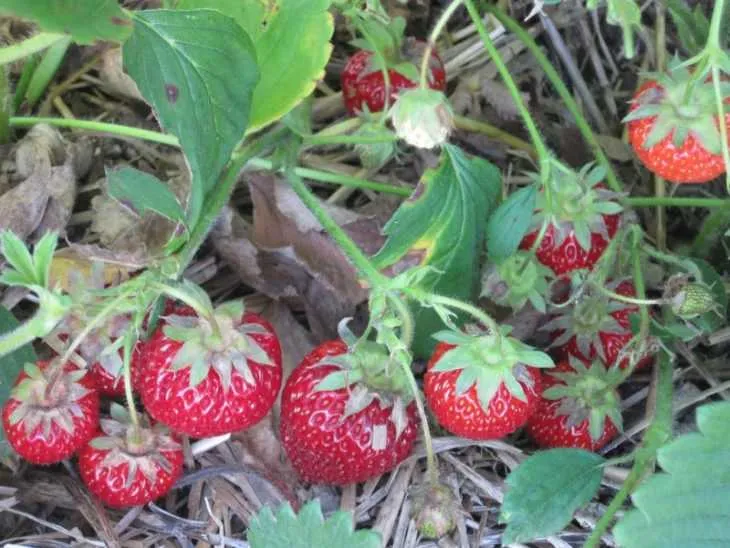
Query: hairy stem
[
  {"x": 218, "y": 197},
  {"x": 535, "y": 137},
  {"x": 437, "y": 29},
  {"x": 53, "y": 308},
  {"x": 345, "y": 243},
  {"x": 557, "y": 82},
  {"x": 407, "y": 332},
  {"x": 656, "y": 435}
]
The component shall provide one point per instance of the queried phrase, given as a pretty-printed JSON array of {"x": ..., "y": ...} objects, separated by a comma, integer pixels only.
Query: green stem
[
  {"x": 449, "y": 302},
  {"x": 103, "y": 314},
  {"x": 345, "y": 243},
  {"x": 219, "y": 196},
  {"x": 97, "y": 127},
  {"x": 52, "y": 309},
  {"x": 129, "y": 342},
  {"x": 406, "y": 336},
  {"x": 313, "y": 140},
  {"x": 720, "y": 105},
  {"x": 713, "y": 37},
  {"x": 557, "y": 82},
  {"x": 627, "y": 299},
  {"x": 656, "y": 435},
  {"x": 540, "y": 148},
  {"x": 438, "y": 27},
  {"x": 467, "y": 124},
  {"x": 677, "y": 202}
]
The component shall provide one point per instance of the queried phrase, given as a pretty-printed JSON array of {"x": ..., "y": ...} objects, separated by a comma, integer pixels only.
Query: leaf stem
[
  {"x": 467, "y": 124},
  {"x": 656, "y": 435},
  {"x": 449, "y": 302},
  {"x": 670, "y": 201},
  {"x": 540, "y": 148},
  {"x": 438, "y": 27},
  {"x": 564, "y": 93},
  {"x": 219, "y": 195}
]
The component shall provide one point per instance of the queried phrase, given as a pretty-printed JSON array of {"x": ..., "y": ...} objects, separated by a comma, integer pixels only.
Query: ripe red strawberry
[
  {"x": 483, "y": 387},
  {"x": 674, "y": 129},
  {"x": 579, "y": 407},
  {"x": 596, "y": 326},
  {"x": 51, "y": 412},
  {"x": 581, "y": 215},
  {"x": 202, "y": 383},
  {"x": 346, "y": 416},
  {"x": 363, "y": 86},
  {"x": 130, "y": 466}
]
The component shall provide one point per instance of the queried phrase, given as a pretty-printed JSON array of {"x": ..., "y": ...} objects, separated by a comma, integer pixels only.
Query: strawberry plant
[{"x": 395, "y": 323}]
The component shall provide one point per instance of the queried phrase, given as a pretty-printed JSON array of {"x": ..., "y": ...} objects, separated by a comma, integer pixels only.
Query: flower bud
[{"x": 422, "y": 117}]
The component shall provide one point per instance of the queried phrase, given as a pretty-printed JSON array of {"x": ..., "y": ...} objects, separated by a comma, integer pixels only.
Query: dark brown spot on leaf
[
  {"x": 121, "y": 21},
  {"x": 416, "y": 193},
  {"x": 171, "y": 91}
]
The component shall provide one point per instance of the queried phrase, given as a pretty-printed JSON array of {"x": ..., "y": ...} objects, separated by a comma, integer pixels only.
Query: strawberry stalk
[
  {"x": 559, "y": 86},
  {"x": 656, "y": 435},
  {"x": 440, "y": 24}
]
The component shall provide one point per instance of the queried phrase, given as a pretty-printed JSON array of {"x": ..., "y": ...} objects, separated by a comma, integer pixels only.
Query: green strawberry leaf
[
  {"x": 85, "y": 20},
  {"x": 546, "y": 490},
  {"x": 442, "y": 224},
  {"x": 198, "y": 71},
  {"x": 291, "y": 38},
  {"x": 692, "y": 25},
  {"x": 509, "y": 223},
  {"x": 686, "y": 504},
  {"x": 10, "y": 367},
  {"x": 308, "y": 529},
  {"x": 27, "y": 270},
  {"x": 143, "y": 192}
]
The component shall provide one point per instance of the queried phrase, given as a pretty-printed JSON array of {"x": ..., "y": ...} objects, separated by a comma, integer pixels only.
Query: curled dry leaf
[
  {"x": 124, "y": 231},
  {"x": 70, "y": 262},
  {"x": 116, "y": 81},
  {"x": 286, "y": 255},
  {"x": 44, "y": 201}
]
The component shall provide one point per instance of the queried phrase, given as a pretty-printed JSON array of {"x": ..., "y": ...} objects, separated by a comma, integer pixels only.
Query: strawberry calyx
[
  {"x": 101, "y": 345},
  {"x": 680, "y": 104},
  {"x": 369, "y": 374},
  {"x": 400, "y": 54},
  {"x": 222, "y": 342},
  {"x": 517, "y": 280},
  {"x": 587, "y": 393},
  {"x": 574, "y": 203},
  {"x": 486, "y": 361},
  {"x": 591, "y": 314},
  {"x": 48, "y": 396},
  {"x": 140, "y": 447}
]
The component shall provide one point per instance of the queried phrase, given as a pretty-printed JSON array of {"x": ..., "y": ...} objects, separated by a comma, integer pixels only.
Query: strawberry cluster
[{"x": 196, "y": 376}]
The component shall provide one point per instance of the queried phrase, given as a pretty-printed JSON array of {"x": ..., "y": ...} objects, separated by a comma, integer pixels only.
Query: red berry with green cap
[
  {"x": 363, "y": 85},
  {"x": 674, "y": 128},
  {"x": 482, "y": 386},
  {"x": 579, "y": 407},
  {"x": 53, "y": 410},
  {"x": 595, "y": 325},
  {"x": 130, "y": 466},
  {"x": 581, "y": 217},
  {"x": 205, "y": 378},
  {"x": 347, "y": 415}
]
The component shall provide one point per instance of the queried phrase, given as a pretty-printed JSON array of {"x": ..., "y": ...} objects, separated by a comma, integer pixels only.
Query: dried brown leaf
[
  {"x": 286, "y": 255},
  {"x": 116, "y": 81}
]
